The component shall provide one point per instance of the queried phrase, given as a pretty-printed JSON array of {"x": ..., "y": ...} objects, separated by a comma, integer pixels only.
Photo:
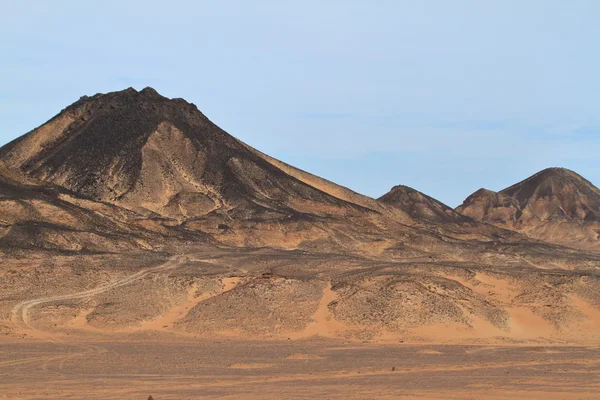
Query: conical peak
[
  {"x": 98, "y": 135},
  {"x": 402, "y": 188},
  {"x": 549, "y": 178},
  {"x": 556, "y": 172},
  {"x": 146, "y": 92},
  {"x": 400, "y": 193},
  {"x": 483, "y": 192},
  {"x": 130, "y": 95},
  {"x": 419, "y": 205},
  {"x": 146, "y": 104}
]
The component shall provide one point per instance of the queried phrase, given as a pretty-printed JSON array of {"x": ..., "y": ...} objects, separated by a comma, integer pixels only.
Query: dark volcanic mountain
[
  {"x": 151, "y": 154},
  {"x": 556, "y": 205},
  {"x": 163, "y": 160}
]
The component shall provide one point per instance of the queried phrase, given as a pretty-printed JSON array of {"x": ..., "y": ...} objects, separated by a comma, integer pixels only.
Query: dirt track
[{"x": 20, "y": 312}]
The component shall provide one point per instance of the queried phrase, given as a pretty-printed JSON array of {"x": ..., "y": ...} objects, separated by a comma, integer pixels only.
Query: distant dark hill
[
  {"x": 555, "y": 205},
  {"x": 567, "y": 194},
  {"x": 420, "y": 206},
  {"x": 489, "y": 206}
]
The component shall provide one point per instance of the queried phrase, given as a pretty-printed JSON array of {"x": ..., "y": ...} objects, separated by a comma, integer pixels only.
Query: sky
[{"x": 443, "y": 96}]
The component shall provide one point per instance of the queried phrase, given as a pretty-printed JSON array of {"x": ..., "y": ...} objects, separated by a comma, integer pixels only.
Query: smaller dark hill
[{"x": 420, "y": 206}]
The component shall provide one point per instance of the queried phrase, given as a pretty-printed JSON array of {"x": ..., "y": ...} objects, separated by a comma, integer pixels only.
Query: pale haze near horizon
[{"x": 445, "y": 97}]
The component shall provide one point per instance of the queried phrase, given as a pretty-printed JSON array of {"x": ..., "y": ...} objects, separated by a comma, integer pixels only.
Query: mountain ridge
[
  {"x": 130, "y": 212},
  {"x": 166, "y": 162}
]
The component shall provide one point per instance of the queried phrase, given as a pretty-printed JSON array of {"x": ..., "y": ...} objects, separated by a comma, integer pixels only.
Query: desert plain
[{"x": 60, "y": 345}]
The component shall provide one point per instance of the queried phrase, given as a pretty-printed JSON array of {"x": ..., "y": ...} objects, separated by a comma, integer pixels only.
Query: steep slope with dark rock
[
  {"x": 156, "y": 155},
  {"x": 165, "y": 161}
]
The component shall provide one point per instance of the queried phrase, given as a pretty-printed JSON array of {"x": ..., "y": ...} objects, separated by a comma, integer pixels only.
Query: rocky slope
[
  {"x": 151, "y": 154},
  {"x": 165, "y": 162},
  {"x": 556, "y": 205}
]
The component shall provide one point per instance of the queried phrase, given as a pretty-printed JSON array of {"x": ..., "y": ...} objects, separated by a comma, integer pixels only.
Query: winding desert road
[
  {"x": 20, "y": 316},
  {"x": 20, "y": 312}
]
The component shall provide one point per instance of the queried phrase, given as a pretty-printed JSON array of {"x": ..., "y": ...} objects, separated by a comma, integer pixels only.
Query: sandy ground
[
  {"x": 168, "y": 368},
  {"x": 52, "y": 348}
]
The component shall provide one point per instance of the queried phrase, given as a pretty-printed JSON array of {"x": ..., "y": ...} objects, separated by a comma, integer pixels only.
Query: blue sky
[{"x": 443, "y": 96}]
